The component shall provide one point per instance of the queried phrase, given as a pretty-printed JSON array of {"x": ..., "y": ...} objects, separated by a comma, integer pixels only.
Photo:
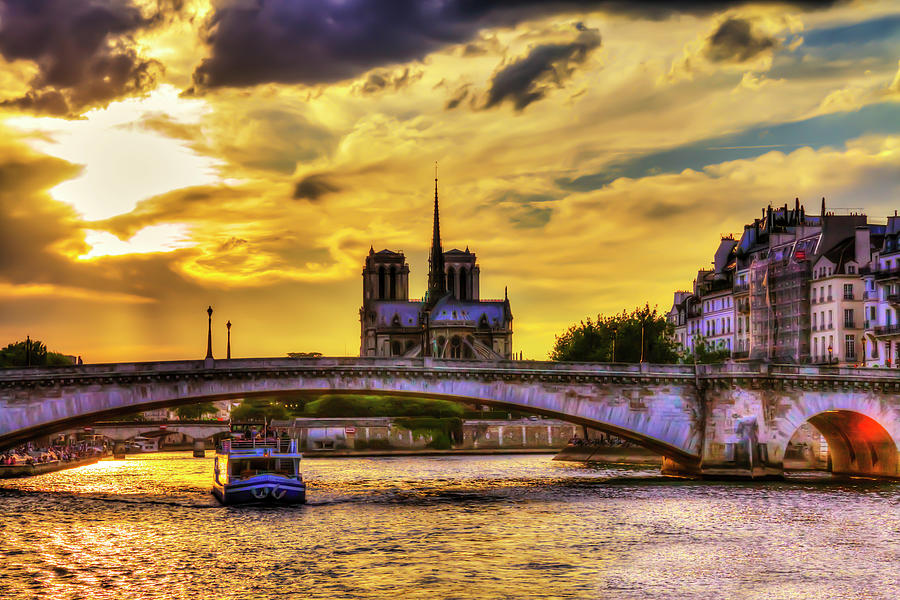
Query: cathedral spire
[{"x": 437, "y": 282}]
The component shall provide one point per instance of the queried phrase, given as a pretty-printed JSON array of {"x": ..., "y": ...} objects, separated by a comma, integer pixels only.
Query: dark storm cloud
[
  {"x": 735, "y": 41},
  {"x": 81, "y": 50},
  {"x": 313, "y": 187},
  {"x": 528, "y": 79},
  {"x": 381, "y": 81},
  {"x": 319, "y": 41}
]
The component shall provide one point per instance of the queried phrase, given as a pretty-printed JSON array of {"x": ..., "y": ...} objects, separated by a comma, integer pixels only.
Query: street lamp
[
  {"x": 830, "y": 354},
  {"x": 209, "y": 312},
  {"x": 615, "y": 330},
  {"x": 228, "y": 352}
]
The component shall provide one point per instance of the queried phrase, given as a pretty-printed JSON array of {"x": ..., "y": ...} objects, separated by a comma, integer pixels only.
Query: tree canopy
[
  {"x": 196, "y": 411},
  {"x": 705, "y": 353},
  {"x": 617, "y": 338},
  {"x": 253, "y": 409},
  {"x": 381, "y": 406},
  {"x": 32, "y": 353}
]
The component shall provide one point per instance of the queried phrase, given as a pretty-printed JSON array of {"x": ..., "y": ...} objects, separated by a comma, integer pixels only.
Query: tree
[
  {"x": 706, "y": 353},
  {"x": 257, "y": 409},
  {"x": 619, "y": 338},
  {"x": 196, "y": 411},
  {"x": 32, "y": 353}
]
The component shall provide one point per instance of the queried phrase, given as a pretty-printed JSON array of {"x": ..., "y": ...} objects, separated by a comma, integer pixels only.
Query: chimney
[{"x": 863, "y": 243}]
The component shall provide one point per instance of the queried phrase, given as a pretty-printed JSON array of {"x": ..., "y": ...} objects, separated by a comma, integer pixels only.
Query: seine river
[{"x": 445, "y": 527}]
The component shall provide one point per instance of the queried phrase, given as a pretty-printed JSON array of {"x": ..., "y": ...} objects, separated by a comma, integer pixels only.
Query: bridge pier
[
  {"x": 199, "y": 448},
  {"x": 119, "y": 450}
]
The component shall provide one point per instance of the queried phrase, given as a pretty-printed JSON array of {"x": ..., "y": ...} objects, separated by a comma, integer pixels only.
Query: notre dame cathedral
[{"x": 450, "y": 322}]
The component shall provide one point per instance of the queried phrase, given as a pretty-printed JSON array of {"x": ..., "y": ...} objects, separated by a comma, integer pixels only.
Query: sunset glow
[{"x": 591, "y": 153}]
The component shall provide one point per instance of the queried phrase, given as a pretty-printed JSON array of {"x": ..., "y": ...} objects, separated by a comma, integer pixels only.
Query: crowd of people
[
  {"x": 32, "y": 455},
  {"x": 601, "y": 440}
]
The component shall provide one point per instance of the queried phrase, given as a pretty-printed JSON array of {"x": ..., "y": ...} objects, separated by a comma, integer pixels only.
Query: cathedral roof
[
  {"x": 407, "y": 313},
  {"x": 449, "y": 308}
]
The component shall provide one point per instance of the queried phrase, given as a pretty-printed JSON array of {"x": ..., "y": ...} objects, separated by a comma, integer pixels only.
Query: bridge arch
[
  {"x": 662, "y": 416},
  {"x": 857, "y": 443}
]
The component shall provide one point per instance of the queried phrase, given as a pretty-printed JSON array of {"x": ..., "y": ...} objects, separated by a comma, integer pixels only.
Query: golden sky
[{"x": 157, "y": 157}]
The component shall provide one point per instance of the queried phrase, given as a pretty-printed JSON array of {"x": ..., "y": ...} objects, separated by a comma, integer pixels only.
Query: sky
[{"x": 160, "y": 156}]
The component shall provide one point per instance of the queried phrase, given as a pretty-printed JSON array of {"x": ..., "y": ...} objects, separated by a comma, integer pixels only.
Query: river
[{"x": 445, "y": 527}]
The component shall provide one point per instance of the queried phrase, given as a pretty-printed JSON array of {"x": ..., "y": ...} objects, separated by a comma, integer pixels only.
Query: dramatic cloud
[
  {"x": 528, "y": 79},
  {"x": 317, "y": 41},
  {"x": 313, "y": 187},
  {"x": 381, "y": 80},
  {"x": 736, "y": 41},
  {"x": 82, "y": 49}
]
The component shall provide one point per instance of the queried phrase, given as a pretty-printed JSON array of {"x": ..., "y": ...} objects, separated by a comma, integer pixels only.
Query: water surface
[{"x": 445, "y": 527}]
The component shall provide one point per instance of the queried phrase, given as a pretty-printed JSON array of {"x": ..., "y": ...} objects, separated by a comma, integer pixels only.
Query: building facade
[
  {"x": 800, "y": 289},
  {"x": 451, "y": 321}
]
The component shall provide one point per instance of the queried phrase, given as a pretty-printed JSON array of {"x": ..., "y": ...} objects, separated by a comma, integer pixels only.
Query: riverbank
[
  {"x": 9, "y": 472},
  {"x": 427, "y": 452},
  {"x": 609, "y": 454}
]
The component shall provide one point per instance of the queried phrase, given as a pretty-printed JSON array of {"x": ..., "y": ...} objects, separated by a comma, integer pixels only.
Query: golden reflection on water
[{"x": 447, "y": 527}]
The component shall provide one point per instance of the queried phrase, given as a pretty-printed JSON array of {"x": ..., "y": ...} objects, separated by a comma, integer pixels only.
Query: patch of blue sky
[
  {"x": 864, "y": 32},
  {"x": 832, "y": 130}
]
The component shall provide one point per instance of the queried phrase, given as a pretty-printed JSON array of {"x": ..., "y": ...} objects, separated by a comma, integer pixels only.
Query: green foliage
[
  {"x": 304, "y": 354},
  {"x": 196, "y": 411},
  {"x": 33, "y": 353},
  {"x": 593, "y": 341},
  {"x": 706, "y": 353},
  {"x": 381, "y": 406},
  {"x": 443, "y": 431},
  {"x": 257, "y": 409}
]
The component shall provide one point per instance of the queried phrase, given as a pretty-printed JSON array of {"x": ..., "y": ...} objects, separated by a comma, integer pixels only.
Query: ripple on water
[{"x": 450, "y": 527}]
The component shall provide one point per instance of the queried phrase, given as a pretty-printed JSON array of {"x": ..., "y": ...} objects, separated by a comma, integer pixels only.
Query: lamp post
[
  {"x": 830, "y": 354},
  {"x": 615, "y": 330},
  {"x": 209, "y": 312},
  {"x": 228, "y": 350},
  {"x": 27, "y": 350},
  {"x": 642, "y": 338}
]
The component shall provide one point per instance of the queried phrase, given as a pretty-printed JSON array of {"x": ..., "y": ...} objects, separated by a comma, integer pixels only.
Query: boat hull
[{"x": 262, "y": 489}]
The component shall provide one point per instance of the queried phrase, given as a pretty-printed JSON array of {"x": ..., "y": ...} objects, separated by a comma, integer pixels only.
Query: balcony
[
  {"x": 893, "y": 298},
  {"x": 892, "y": 273},
  {"x": 741, "y": 288},
  {"x": 740, "y": 354},
  {"x": 849, "y": 325},
  {"x": 888, "y": 330},
  {"x": 813, "y": 300},
  {"x": 870, "y": 295},
  {"x": 848, "y": 296}
]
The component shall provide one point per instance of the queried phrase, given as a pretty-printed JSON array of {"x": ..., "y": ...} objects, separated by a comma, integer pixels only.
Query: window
[
  {"x": 851, "y": 269},
  {"x": 848, "y": 291},
  {"x": 849, "y": 347},
  {"x": 829, "y": 291},
  {"x": 814, "y": 321},
  {"x": 830, "y": 320},
  {"x": 815, "y": 348},
  {"x": 822, "y": 293},
  {"x": 848, "y": 317}
]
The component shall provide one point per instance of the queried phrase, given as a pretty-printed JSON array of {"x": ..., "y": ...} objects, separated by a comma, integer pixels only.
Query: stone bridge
[
  {"x": 121, "y": 431},
  {"x": 717, "y": 420}
]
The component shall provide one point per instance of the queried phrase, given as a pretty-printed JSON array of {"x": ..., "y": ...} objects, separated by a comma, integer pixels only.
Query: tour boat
[{"x": 249, "y": 471}]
